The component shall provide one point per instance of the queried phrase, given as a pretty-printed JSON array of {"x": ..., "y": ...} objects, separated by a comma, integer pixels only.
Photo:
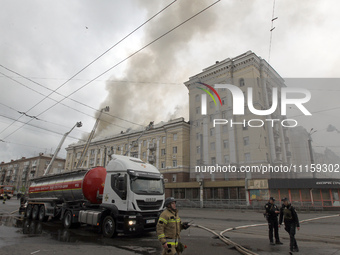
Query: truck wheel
[
  {"x": 35, "y": 212},
  {"x": 109, "y": 227},
  {"x": 42, "y": 214},
  {"x": 29, "y": 211},
  {"x": 67, "y": 220}
]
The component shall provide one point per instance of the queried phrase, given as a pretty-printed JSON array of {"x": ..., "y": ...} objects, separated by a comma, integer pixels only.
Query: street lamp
[{"x": 312, "y": 131}]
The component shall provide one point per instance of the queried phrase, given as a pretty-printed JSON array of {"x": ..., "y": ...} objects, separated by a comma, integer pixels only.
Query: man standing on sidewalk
[
  {"x": 272, "y": 211},
  {"x": 291, "y": 220}
]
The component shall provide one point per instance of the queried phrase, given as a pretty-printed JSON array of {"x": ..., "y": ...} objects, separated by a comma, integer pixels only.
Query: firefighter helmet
[{"x": 168, "y": 201}]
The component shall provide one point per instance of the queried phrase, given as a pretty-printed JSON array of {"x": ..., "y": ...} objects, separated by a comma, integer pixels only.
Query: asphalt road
[{"x": 20, "y": 236}]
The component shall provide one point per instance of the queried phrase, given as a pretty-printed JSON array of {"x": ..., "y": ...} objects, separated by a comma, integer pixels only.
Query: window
[
  {"x": 118, "y": 184},
  {"x": 226, "y": 159},
  {"x": 78, "y": 155},
  {"x": 259, "y": 95},
  {"x": 144, "y": 154},
  {"x": 211, "y": 104},
  {"x": 224, "y": 100},
  {"x": 198, "y": 149},
  {"x": 245, "y": 126},
  {"x": 162, "y": 152},
  {"x": 126, "y": 147},
  {"x": 212, "y": 131},
  {"x": 175, "y": 137},
  {"x": 241, "y": 82},
  {"x": 213, "y": 161},
  {"x": 198, "y": 110},
  {"x": 198, "y": 162},
  {"x": 92, "y": 152},
  {"x": 247, "y": 157},
  {"x": 224, "y": 115},
  {"x": 163, "y": 164},
  {"x": 98, "y": 161},
  {"x": 163, "y": 139},
  {"x": 154, "y": 140},
  {"x": 144, "y": 143},
  {"x": 225, "y": 129},
  {"x": 197, "y": 136},
  {"x": 225, "y": 144},
  {"x": 92, "y": 162},
  {"x": 211, "y": 118},
  {"x": 197, "y": 98},
  {"x": 212, "y": 146},
  {"x": 265, "y": 141},
  {"x": 174, "y": 177},
  {"x": 246, "y": 140},
  {"x": 174, "y": 163},
  {"x": 174, "y": 150}
]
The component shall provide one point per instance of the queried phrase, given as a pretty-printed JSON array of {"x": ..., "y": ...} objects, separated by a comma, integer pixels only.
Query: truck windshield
[{"x": 147, "y": 186}]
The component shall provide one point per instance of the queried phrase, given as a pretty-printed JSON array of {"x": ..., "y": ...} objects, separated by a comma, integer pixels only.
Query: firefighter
[
  {"x": 291, "y": 220},
  {"x": 272, "y": 211},
  {"x": 169, "y": 227}
]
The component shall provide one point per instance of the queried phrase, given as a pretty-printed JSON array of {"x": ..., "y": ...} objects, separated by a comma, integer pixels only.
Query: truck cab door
[{"x": 115, "y": 191}]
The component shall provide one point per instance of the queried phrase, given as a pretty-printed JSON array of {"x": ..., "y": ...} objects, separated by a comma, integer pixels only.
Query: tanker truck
[{"x": 127, "y": 197}]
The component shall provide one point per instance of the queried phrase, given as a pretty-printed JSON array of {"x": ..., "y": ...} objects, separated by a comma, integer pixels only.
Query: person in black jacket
[
  {"x": 291, "y": 220},
  {"x": 272, "y": 211}
]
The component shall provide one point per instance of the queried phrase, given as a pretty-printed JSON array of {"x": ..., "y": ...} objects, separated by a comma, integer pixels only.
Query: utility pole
[
  {"x": 78, "y": 124},
  {"x": 86, "y": 147},
  {"x": 311, "y": 149}
]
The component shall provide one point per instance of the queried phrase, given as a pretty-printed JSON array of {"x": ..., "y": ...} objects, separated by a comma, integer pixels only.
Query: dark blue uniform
[
  {"x": 273, "y": 224},
  {"x": 291, "y": 220}
]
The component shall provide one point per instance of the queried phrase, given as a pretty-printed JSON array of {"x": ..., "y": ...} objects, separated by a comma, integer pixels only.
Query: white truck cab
[{"x": 134, "y": 193}]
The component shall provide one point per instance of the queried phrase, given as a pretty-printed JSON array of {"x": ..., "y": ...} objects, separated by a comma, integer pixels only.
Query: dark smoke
[{"x": 159, "y": 64}]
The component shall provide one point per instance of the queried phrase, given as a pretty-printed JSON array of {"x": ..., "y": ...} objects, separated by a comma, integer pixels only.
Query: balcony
[
  {"x": 278, "y": 149},
  {"x": 151, "y": 159},
  {"x": 152, "y": 146}
]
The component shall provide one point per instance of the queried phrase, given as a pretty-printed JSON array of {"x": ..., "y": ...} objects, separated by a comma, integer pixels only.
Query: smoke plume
[{"x": 155, "y": 75}]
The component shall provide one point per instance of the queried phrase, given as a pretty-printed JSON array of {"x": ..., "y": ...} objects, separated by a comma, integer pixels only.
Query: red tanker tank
[{"x": 77, "y": 185}]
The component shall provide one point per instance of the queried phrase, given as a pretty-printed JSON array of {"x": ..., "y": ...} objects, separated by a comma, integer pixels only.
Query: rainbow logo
[{"x": 204, "y": 97}]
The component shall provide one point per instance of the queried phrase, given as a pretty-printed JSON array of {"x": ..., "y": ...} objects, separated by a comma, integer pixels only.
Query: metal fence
[{"x": 242, "y": 204}]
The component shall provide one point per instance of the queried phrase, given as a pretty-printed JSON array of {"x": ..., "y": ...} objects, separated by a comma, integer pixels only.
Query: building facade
[
  {"x": 19, "y": 172},
  {"x": 220, "y": 138},
  {"x": 234, "y": 142},
  {"x": 165, "y": 145}
]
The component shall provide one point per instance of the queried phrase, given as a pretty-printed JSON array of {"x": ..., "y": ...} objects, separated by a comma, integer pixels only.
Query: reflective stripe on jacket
[{"x": 169, "y": 227}]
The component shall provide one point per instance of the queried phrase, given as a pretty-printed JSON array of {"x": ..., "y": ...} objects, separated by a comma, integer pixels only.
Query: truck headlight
[{"x": 131, "y": 222}]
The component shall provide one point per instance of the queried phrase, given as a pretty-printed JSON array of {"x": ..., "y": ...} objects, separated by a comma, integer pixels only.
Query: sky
[{"x": 46, "y": 48}]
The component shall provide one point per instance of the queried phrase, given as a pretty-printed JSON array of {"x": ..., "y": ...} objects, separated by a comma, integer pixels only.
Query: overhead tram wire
[
  {"x": 45, "y": 129},
  {"x": 56, "y": 101},
  {"x": 81, "y": 103},
  {"x": 128, "y": 57},
  {"x": 50, "y": 122},
  {"x": 121, "y": 40}
]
